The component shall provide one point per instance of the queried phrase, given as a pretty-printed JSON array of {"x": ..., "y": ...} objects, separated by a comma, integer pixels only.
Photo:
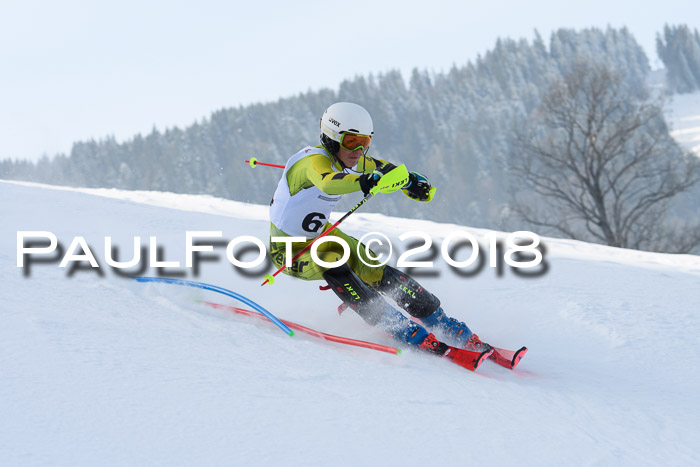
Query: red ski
[
  {"x": 468, "y": 359},
  {"x": 507, "y": 358}
]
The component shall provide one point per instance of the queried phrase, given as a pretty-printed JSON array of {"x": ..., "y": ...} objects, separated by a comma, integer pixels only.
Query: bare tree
[{"x": 599, "y": 154}]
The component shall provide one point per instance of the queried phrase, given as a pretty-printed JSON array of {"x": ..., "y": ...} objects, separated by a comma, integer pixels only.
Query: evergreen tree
[{"x": 679, "y": 49}]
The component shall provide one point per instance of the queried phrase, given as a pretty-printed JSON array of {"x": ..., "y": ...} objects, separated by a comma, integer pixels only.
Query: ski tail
[{"x": 507, "y": 358}]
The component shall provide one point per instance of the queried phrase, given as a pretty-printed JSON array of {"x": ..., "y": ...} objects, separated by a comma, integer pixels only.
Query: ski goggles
[{"x": 352, "y": 141}]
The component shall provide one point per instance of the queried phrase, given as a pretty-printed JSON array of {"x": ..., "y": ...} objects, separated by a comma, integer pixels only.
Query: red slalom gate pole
[{"x": 311, "y": 332}]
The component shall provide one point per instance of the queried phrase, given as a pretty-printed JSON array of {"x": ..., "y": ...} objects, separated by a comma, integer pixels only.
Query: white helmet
[{"x": 344, "y": 117}]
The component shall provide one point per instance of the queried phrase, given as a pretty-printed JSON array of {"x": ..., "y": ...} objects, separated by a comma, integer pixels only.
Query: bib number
[{"x": 313, "y": 222}]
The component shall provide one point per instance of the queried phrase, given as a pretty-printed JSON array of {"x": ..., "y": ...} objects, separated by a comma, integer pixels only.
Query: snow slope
[{"x": 101, "y": 370}]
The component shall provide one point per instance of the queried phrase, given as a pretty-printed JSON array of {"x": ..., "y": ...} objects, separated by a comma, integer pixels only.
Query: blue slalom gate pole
[{"x": 221, "y": 290}]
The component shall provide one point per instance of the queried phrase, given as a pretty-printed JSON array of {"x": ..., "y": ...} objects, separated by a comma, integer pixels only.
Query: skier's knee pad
[
  {"x": 408, "y": 293},
  {"x": 355, "y": 293}
]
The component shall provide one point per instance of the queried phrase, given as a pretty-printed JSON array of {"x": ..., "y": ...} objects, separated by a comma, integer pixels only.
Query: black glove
[
  {"x": 369, "y": 180},
  {"x": 385, "y": 168},
  {"x": 418, "y": 187}
]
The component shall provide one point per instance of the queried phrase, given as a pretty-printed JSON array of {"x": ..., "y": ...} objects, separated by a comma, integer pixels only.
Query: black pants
[{"x": 368, "y": 302}]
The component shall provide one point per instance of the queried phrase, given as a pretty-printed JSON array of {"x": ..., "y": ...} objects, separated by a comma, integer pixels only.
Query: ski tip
[
  {"x": 398, "y": 351},
  {"x": 519, "y": 354},
  {"x": 291, "y": 333},
  {"x": 483, "y": 356}
]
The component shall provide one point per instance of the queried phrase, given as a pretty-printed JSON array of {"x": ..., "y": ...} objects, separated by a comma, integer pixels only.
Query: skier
[{"x": 313, "y": 181}]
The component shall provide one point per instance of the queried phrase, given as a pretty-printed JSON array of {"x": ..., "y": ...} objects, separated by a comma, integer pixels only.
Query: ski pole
[
  {"x": 271, "y": 277},
  {"x": 253, "y": 162},
  {"x": 389, "y": 183}
]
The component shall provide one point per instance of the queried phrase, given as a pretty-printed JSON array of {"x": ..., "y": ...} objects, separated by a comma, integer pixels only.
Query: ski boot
[{"x": 416, "y": 335}]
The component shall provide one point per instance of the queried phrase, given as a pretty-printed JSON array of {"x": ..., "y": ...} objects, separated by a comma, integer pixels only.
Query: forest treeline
[{"x": 456, "y": 127}]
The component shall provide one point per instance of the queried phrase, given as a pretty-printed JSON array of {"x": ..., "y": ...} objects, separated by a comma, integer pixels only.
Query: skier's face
[{"x": 349, "y": 158}]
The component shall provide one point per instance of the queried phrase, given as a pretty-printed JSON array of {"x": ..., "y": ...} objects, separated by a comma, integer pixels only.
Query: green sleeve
[{"x": 317, "y": 170}]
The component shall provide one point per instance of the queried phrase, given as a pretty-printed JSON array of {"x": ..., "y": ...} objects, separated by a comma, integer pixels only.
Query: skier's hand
[
  {"x": 385, "y": 168},
  {"x": 369, "y": 180},
  {"x": 418, "y": 188}
]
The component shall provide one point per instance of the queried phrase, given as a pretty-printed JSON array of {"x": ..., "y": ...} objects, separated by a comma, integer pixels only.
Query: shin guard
[
  {"x": 408, "y": 293},
  {"x": 371, "y": 306},
  {"x": 355, "y": 293}
]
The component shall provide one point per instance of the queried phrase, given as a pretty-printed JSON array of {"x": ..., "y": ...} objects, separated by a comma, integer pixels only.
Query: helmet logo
[{"x": 334, "y": 121}]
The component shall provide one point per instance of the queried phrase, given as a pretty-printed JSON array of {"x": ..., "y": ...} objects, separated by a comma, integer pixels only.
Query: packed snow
[{"x": 98, "y": 369}]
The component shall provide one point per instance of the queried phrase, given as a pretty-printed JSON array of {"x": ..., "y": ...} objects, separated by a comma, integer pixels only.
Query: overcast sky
[{"x": 75, "y": 70}]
